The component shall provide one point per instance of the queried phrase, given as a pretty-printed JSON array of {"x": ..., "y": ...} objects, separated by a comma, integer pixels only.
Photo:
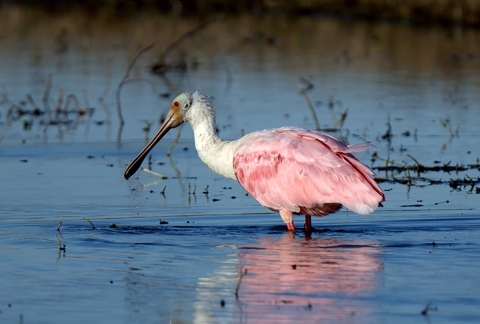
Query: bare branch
[{"x": 125, "y": 78}]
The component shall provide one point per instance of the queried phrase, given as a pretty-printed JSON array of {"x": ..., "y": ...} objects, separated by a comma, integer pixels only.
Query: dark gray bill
[{"x": 137, "y": 161}]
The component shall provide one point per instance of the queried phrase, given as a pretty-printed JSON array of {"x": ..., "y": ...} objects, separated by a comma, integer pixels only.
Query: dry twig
[
  {"x": 239, "y": 282},
  {"x": 126, "y": 78},
  {"x": 312, "y": 110}
]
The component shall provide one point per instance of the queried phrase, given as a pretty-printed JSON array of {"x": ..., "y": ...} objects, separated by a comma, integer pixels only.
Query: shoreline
[{"x": 410, "y": 12}]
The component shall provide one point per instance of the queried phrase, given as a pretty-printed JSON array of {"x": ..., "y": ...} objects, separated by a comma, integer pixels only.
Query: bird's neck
[{"x": 216, "y": 153}]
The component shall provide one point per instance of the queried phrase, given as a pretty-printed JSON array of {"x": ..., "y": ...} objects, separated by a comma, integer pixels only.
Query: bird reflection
[{"x": 315, "y": 279}]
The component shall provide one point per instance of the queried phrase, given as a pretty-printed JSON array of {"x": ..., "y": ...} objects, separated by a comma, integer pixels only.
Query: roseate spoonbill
[{"x": 291, "y": 170}]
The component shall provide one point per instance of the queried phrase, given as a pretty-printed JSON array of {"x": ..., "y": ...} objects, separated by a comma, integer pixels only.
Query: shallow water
[{"x": 420, "y": 249}]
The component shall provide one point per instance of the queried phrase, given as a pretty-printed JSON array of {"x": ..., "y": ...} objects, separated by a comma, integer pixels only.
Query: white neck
[{"x": 216, "y": 153}]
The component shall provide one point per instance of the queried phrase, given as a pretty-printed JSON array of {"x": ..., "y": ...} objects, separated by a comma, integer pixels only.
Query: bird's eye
[{"x": 176, "y": 104}]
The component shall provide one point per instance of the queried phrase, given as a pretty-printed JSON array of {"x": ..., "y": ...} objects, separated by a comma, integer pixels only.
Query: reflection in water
[
  {"x": 303, "y": 280},
  {"x": 316, "y": 279}
]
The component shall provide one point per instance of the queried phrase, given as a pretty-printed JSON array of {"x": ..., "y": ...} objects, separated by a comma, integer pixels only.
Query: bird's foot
[{"x": 290, "y": 226}]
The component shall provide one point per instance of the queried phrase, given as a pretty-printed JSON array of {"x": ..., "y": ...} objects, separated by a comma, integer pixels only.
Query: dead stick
[
  {"x": 188, "y": 34},
  {"x": 46, "y": 94},
  {"x": 93, "y": 226},
  {"x": 309, "y": 103},
  {"x": 59, "y": 225},
  {"x": 418, "y": 163},
  {"x": 341, "y": 120},
  {"x": 32, "y": 103},
  {"x": 12, "y": 104},
  {"x": 108, "y": 81},
  {"x": 154, "y": 173},
  {"x": 239, "y": 282},
  {"x": 125, "y": 77},
  {"x": 175, "y": 141}
]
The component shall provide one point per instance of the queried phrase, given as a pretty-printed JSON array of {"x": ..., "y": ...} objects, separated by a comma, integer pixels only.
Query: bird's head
[
  {"x": 176, "y": 116},
  {"x": 178, "y": 109}
]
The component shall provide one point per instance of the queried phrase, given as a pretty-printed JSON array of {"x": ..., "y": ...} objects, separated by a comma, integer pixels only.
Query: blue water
[{"x": 417, "y": 253}]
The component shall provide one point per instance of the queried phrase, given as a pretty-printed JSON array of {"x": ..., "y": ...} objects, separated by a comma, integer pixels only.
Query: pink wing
[{"x": 298, "y": 169}]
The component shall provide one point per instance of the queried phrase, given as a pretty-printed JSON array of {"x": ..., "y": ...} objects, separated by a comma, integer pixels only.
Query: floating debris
[
  {"x": 427, "y": 308},
  {"x": 93, "y": 226},
  {"x": 60, "y": 246},
  {"x": 154, "y": 173},
  {"x": 394, "y": 170}
]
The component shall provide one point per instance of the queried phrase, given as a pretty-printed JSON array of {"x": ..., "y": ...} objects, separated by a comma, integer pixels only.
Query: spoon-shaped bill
[{"x": 137, "y": 161}]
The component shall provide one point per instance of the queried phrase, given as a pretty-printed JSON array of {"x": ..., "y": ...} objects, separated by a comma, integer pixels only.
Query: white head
[{"x": 182, "y": 109}]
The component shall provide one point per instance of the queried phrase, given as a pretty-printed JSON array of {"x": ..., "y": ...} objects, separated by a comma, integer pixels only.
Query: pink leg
[
  {"x": 308, "y": 223},
  {"x": 287, "y": 217}
]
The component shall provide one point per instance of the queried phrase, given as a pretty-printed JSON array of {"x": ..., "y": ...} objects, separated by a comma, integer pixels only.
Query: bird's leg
[
  {"x": 308, "y": 223},
  {"x": 287, "y": 217}
]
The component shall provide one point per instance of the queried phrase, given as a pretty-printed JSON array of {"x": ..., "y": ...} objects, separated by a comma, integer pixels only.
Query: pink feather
[
  {"x": 290, "y": 169},
  {"x": 307, "y": 172}
]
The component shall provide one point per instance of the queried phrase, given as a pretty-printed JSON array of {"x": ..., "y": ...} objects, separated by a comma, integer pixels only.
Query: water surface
[{"x": 417, "y": 253}]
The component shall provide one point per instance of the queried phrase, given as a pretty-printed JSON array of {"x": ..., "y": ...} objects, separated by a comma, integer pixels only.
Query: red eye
[{"x": 176, "y": 104}]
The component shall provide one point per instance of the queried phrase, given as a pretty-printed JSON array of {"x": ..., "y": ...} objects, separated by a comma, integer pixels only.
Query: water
[{"x": 417, "y": 253}]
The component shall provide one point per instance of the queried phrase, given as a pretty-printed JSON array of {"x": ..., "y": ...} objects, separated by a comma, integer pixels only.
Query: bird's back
[{"x": 301, "y": 170}]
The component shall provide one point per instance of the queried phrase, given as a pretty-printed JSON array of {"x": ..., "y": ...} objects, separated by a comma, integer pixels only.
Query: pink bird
[{"x": 291, "y": 170}]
